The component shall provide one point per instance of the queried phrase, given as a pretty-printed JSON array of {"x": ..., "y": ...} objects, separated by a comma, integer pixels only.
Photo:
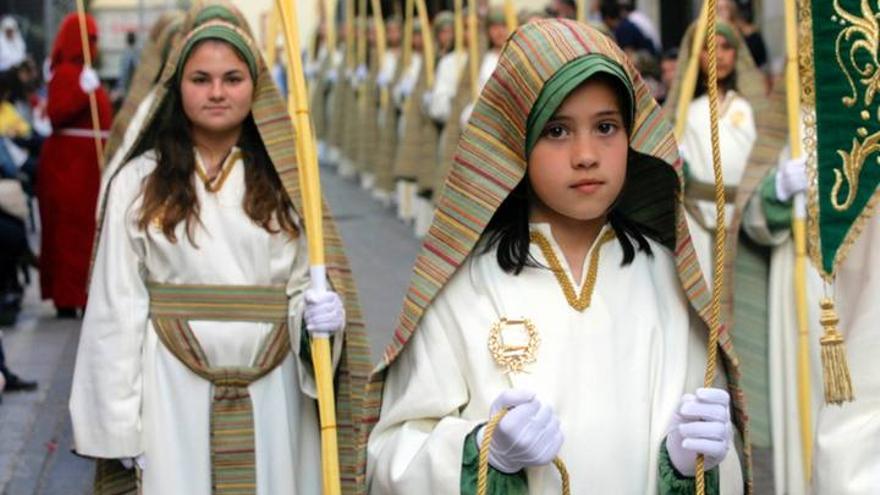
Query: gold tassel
[{"x": 838, "y": 384}]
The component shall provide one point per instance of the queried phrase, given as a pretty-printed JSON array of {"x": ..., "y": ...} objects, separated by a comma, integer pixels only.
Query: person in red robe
[{"x": 69, "y": 172}]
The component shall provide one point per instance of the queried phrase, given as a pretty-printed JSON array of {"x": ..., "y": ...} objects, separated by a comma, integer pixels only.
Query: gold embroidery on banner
[
  {"x": 514, "y": 344},
  {"x": 862, "y": 35},
  {"x": 806, "y": 62}
]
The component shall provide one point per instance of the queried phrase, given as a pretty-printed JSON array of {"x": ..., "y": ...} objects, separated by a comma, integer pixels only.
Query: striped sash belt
[
  {"x": 172, "y": 307},
  {"x": 695, "y": 191}
]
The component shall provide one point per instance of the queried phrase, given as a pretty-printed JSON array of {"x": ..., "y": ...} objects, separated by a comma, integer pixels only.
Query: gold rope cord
[
  {"x": 483, "y": 465},
  {"x": 720, "y": 217}
]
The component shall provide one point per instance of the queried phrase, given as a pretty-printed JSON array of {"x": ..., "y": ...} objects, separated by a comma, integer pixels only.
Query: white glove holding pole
[
  {"x": 791, "y": 178},
  {"x": 528, "y": 435},
  {"x": 700, "y": 425},
  {"x": 361, "y": 74},
  {"x": 324, "y": 312},
  {"x": 427, "y": 100},
  {"x": 89, "y": 80},
  {"x": 130, "y": 462}
]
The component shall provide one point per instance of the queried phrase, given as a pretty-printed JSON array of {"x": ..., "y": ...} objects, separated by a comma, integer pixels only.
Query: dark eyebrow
[
  {"x": 227, "y": 73},
  {"x": 597, "y": 115}
]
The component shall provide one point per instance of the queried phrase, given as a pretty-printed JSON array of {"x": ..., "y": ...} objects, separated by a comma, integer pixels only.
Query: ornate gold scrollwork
[{"x": 862, "y": 34}]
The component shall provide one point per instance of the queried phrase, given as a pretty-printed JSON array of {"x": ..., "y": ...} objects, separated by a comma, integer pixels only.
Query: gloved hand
[
  {"x": 701, "y": 425},
  {"x": 384, "y": 79},
  {"x": 466, "y": 115},
  {"x": 791, "y": 178},
  {"x": 129, "y": 462},
  {"x": 361, "y": 74},
  {"x": 324, "y": 312},
  {"x": 89, "y": 80},
  {"x": 406, "y": 86},
  {"x": 427, "y": 99},
  {"x": 332, "y": 75},
  {"x": 528, "y": 435}
]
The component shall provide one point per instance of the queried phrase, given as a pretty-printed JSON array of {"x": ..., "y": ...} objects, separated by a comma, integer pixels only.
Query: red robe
[{"x": 69, "y": 174}]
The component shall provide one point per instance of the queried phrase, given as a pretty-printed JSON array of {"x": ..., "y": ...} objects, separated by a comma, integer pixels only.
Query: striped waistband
[
  {"x": 83, "y": 133},
  {"x": 218, "y": 302},
  {"x": 705, "y": 191}
]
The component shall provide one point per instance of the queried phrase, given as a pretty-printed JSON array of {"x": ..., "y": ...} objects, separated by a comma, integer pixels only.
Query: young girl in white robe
[
  {"x": 193, "y": 362},
  {"x": 557, "y": 282}
]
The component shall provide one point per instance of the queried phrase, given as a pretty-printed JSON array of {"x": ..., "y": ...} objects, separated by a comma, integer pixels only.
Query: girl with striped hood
[
  {"x": 193, "y": 361},
  {"x": 557, "y": 281}
]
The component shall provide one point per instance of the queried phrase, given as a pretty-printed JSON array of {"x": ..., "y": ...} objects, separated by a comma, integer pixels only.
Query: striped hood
[{"x": 491, "y": 161}]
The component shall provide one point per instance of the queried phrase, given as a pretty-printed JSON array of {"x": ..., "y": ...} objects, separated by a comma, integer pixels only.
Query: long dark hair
[
  {"x": 508, "y": 230},
  {"x": 169, "y": 195}
]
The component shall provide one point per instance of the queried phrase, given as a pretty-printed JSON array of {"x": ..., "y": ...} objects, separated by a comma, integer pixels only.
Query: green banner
[{"x": 840, "y": 78}]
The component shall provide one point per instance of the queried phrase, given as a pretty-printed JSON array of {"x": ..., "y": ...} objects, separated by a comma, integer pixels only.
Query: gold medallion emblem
[
  {"x": 738, "y": 118},
  {"x": 513, "y": 344}
]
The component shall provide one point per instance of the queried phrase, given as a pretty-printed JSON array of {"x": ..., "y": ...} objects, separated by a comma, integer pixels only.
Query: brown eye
[
  {"x": 555, "y": 131},
  {"x": 607, "y": 128}
]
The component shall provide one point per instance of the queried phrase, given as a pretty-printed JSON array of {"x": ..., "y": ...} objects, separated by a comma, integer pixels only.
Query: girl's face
[
  {"x": 216, "y": 88},
  {"x": 726, "y": 54},
  {"x": 578, "y": 165},
  {"x": 497, "y": 35}
]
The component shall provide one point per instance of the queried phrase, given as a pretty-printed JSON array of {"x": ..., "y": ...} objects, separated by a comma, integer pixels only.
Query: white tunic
[
  {"x": 450, "y": 69},
  {"x": 736, "y": 131},
  {"x": 131, "y": 395},
  {"x": 613, "y": 373},
  {"x": 785, "y": 420},
  {"x": 847, "y": 448}
]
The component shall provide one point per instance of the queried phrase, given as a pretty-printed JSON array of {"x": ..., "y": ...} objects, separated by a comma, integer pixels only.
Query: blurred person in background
[
  {"x": 127, "y": 66},
  {"x": 12, "y": 46},
  {"x": 69, "y": 172},
  {"x": 629, "y": 37}
]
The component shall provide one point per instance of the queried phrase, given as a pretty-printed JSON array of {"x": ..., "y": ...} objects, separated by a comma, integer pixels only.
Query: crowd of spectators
[{"x": 23, "y": 127}]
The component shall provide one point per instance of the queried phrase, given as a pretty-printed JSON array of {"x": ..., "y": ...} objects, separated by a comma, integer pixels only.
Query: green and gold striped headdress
[
  {"x": 491, "y": 161},
  {"x": 269, "y": 111}
]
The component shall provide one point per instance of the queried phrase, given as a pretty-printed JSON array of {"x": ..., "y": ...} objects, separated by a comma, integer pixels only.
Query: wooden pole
[
  {"x": 427, "y": 42},
  {"x": 93, "y": 100},
  {"x": 310, "y": 185},
  {"x": 689, "y": 82},
  {"x": 799, "y": 234},
  {"x": 473, "y": 50},
  {"x": 510, "y": 16}
]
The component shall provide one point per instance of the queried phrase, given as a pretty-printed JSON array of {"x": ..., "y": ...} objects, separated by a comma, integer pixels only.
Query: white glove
[
  {"x": 701, "y": 425},
  {"x": 406, "y": 87},
  {"x": 361, "y": 74},
  {"x": 89, "y": 80},
  {"x": 528, "y": 435},
  {"x": 791, "y": 178},
  {"x": 384, "y": 79},
  {"x": 129, "y": 462},
  {"x": 324, "y": 312},
  {"x": 427, "y": 100},
  {"x": 332, "y": 75},
  {"x": 466, "y": 115}
]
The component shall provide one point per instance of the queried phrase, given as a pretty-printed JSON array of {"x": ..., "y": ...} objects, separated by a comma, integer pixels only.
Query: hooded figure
[
  {"x": 69, "y": 172},
  {"x": 600, "y": 374},
  {"x": 193, "y": 361},
  {"x": 12, "y": 48}
]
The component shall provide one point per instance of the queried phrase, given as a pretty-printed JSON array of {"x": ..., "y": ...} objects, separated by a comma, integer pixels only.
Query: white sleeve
[
  {"x": 105, "y": 402},
  {"x": 417, "y": 445}
]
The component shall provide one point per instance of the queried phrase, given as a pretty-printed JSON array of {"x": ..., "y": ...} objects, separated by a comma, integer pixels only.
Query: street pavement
[{"x": 35, "y": 433}]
